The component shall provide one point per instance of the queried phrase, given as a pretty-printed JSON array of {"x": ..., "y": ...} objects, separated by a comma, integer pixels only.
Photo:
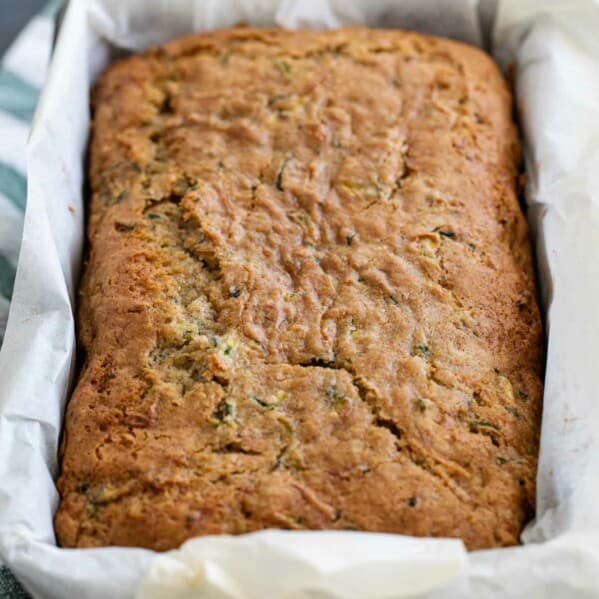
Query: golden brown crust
[{"x": 309, "y": 301}]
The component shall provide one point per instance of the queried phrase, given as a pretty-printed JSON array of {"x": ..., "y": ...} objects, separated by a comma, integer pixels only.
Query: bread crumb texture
[{"x": 309, "y": 302}]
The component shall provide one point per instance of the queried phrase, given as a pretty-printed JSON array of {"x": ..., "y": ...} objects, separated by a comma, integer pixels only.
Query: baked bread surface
[{"x": 309, "y": 301}]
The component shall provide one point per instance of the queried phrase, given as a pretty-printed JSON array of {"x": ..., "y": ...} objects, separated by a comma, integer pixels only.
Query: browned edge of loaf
[{"x": 309, "y": 301}]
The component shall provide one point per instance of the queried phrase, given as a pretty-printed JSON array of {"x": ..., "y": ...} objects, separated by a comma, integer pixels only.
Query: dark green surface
[
  {"x": 9, "y": 587},
  {"x": 7, "y": 277}
]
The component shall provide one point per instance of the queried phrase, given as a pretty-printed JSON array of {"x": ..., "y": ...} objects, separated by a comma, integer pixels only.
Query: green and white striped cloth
[{"x": 22, "y": 74}]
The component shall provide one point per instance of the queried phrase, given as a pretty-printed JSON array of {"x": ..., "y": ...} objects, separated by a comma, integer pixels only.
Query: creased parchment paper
[{"x": 555, "y": 46}]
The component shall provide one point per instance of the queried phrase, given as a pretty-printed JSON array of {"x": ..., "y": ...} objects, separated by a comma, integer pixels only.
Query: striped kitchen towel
[{"x": 22, "y": 74}]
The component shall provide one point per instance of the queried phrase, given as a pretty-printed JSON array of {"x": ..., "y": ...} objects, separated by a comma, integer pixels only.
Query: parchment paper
[{"x": 555, "y": 46}]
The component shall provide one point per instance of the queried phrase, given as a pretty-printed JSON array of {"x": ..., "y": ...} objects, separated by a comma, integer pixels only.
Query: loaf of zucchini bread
[{"x": 309, "y": 301}]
